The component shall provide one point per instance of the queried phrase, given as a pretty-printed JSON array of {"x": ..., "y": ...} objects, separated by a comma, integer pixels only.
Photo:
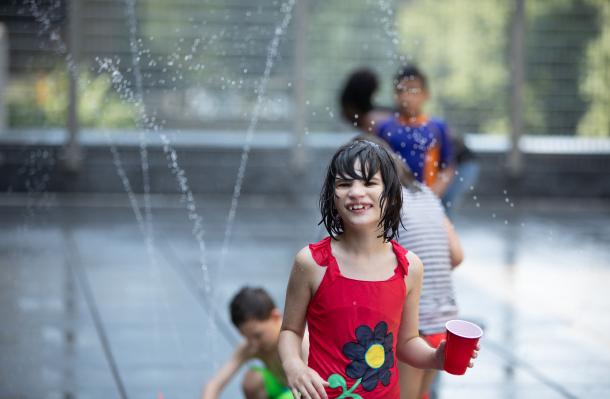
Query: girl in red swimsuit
[{"x": 357, "y": 290}]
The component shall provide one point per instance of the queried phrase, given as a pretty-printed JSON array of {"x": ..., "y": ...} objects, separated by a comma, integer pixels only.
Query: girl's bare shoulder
[
  {"x": 304, "y": 260},
  {"x": 306, "y": 269},
  {"x": 416, "y": 267}
]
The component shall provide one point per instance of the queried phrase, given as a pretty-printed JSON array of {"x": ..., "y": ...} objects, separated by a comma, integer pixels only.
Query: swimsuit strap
[
  {"x": 322, "y": 254},
  {"x": 403, "y": 262},
  {"x": 320, "y": 251}
]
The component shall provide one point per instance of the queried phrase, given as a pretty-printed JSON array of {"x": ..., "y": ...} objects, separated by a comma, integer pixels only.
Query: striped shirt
[{"x": 424, "y": 233}]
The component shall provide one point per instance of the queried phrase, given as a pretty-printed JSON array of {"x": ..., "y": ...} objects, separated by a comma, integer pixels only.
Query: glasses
[{"x": 408, "y": 90}]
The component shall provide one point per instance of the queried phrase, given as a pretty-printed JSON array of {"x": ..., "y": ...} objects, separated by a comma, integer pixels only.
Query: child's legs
[
  {"x": 410, "y": 379},
  {"x": 260, "y": 383},
  {"x": 427, "y": 382},
  {"x": 253, "y": 385},
  {"x": 434, "y": 340}
]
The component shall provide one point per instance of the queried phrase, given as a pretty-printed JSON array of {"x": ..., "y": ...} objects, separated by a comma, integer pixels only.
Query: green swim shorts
[{"x": 274, "y": 388}]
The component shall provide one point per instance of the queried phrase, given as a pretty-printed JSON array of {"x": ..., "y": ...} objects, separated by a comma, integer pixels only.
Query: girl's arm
[
  {"x": 305, "y": 346},
  {"x": 410, "y": 348},
  {"x": 301, "y": 379},
  {"x": 456, "y": 254},
  {"x": 227, "y": 371}
]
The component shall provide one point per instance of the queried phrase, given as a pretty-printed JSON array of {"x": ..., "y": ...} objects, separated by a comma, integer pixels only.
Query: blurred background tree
[
  {"x": 464, "y": 49},
  {"x": 201, "y": 61},
  {"x": 595, "y": 77},
  {"x": 43, "y": 101}
]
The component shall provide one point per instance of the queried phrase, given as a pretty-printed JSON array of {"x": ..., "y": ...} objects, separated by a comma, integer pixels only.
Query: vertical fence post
[
  {"x": 72, "y": 152},
  {"x": 300, "y": 55},
  {"x": 3, "y": 75},
  {"x": 517, "y": 62}
]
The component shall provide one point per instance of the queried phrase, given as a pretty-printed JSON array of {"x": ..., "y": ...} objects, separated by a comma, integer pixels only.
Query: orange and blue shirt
[{"x": 424, "y": 145}]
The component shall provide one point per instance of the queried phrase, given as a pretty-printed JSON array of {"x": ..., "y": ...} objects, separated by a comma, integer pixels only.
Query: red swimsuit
[{"x": 353, "y": 328}]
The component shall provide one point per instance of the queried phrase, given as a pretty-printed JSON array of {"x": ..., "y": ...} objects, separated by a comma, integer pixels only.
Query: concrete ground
[{"x": 90, "y": 311}]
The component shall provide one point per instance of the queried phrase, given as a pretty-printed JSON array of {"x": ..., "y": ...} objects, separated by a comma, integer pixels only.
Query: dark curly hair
[
  {"x": 404, "y": 173},
  {"x": 373, "y": 158},
  {"x": 356, "y": 97}
]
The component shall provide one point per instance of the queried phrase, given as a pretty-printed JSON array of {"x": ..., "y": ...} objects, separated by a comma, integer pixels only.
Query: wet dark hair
[
  {"x": 404, "y": 172},
  {"x": 251, "y": 303},
  {"x": 356, "y": 97},
  {"x": 410, "y": 72},
  {"x": 372, "y": 158}
]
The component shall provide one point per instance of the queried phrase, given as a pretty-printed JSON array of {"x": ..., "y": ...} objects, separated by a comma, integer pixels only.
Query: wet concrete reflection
[
  {"x": 69, "y": 332},
  {"x": 511, "y": 253},
  {"x": 81, "y": 314}
]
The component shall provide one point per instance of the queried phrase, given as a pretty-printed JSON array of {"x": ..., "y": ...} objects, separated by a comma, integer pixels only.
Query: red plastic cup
[{"x": 462, "y": 338}]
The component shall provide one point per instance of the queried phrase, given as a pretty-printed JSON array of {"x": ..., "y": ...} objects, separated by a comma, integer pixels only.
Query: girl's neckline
[{"x": 333, "y": 260}]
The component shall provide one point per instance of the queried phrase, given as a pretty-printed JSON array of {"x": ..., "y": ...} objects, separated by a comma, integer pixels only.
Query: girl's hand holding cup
[{"x": 455, "y": 354}]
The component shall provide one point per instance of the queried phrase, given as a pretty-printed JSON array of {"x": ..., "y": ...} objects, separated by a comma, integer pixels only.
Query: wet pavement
[{"x": 89, "y": 312}]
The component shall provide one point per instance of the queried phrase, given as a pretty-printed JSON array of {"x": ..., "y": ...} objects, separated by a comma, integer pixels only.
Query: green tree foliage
[
  {"x": 557, "y": 35},
  {"x": 43, "y": 101},
  {"x": 343, "y": 37},
  {"x": 461, "y": 45},
  {"x": 595, "y": 81}
]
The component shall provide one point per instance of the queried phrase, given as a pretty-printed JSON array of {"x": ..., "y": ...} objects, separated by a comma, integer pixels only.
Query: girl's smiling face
[
  {"x": 361, "y": 187},
  {"x": 357, "y": 200}
]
